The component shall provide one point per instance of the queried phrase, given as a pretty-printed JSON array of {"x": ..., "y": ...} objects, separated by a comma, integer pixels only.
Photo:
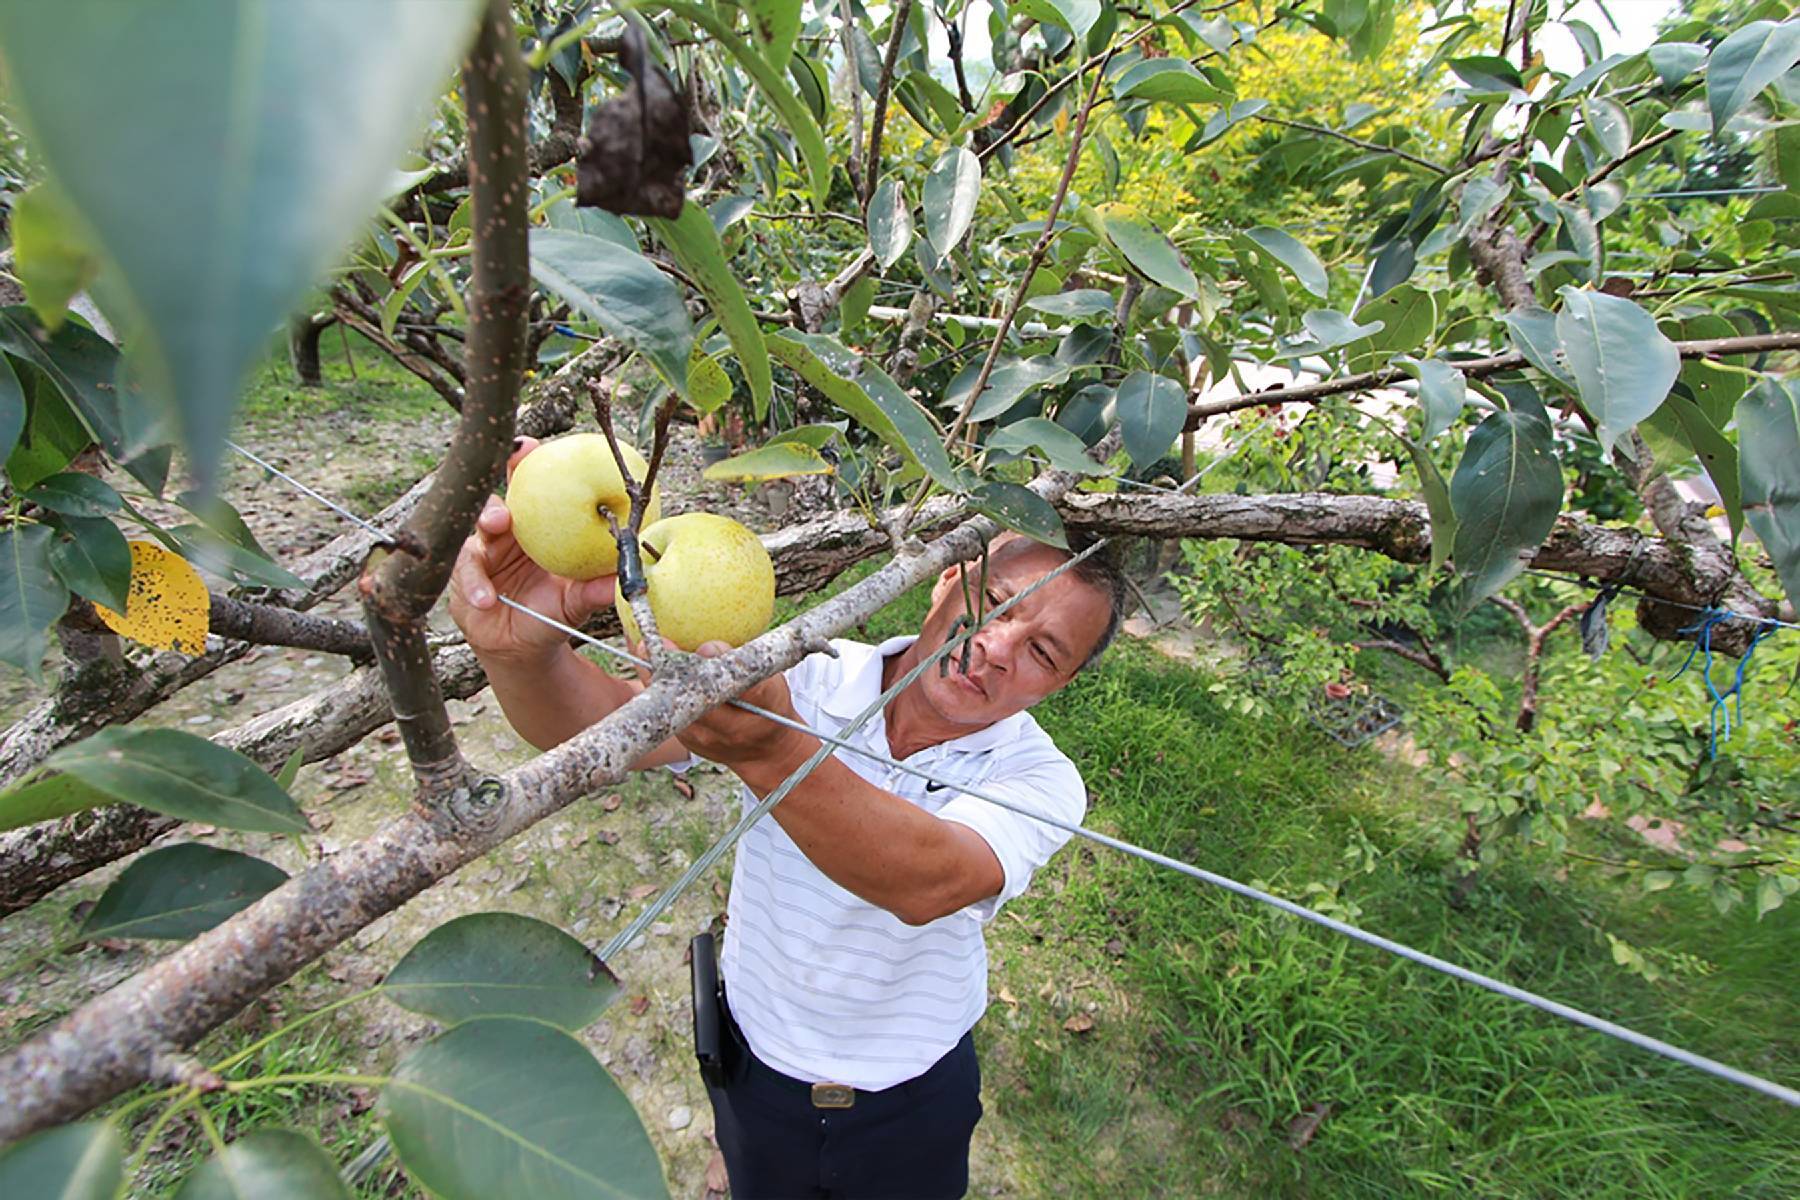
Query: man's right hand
[{"x": 491, "y": 564}]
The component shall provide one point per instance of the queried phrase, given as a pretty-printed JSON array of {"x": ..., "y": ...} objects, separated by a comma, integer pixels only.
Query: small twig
[
  {"x": 872, "y": 164},
  {"x": 1355, "y": 141},
  {"x": 1648, "y": 143}
]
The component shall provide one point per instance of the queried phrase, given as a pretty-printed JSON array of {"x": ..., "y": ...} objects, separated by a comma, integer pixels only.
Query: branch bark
[
  {"x": 902, "y": 13},
  {"x": 399, "y": 589},
  {"x": 1535, "y": 636}
]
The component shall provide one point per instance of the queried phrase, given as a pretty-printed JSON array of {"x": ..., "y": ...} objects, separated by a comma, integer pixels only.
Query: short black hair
[{"x": 1101, "y": 570}]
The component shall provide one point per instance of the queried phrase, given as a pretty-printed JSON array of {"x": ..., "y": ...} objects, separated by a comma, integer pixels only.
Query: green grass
[
  {"x": 1242, "y": 1017},
  {"x": 359, "y": 380}
]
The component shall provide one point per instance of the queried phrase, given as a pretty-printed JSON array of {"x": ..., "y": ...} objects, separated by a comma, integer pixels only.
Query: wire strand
[{"x": 327, "y": 501}]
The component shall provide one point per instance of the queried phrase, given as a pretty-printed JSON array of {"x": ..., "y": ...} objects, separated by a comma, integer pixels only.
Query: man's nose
[{"x": 995, "y": 644}]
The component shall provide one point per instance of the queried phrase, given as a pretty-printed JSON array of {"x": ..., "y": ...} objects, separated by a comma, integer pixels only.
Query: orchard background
[{"x": 1476, "y": 322}]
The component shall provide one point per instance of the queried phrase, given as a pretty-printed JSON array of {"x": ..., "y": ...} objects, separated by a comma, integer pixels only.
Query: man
[{"x": 854, "y": 961}]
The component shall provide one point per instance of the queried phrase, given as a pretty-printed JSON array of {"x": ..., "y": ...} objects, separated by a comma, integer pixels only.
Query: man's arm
[
  {"x": 868, "y": 841},
  {"x": 550, "y": 700}
]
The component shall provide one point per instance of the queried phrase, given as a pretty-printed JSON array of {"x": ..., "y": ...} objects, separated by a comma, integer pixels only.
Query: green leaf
[
  {"x": 1442, "y": 390},
  {"x": 1082, "y": 304},
  {"x": 75, "y": 494},
  {"x": 1659, "y": 881},
  {"x": 1407, "y": 316},
  {"x": 180, "y": 891},
  {"x": 1480, "y": 196},
  {"x": 1149, "y": 250},
  {"x": 1171, "y": 80},
  {"x": 708, "y": 386},
  {"x": 951, "y": 190},
  {"x": 1533, "y": 333},
  {"x": 621, "y": 292},
  {"x": 1011, "y": 381},
  {"x": 84, "y": 1161},
  {"x": 47, "y": 799},
  {"x": 210, "y": 552},
  {"x": 727, "y": 211},
  {"x": 809, "y": 78},
  {"x": 778, "y": 461},
  {"x": 225, "y": 226},
  {"x": 1488, "y": 73},
  {"x": 1063, "y": 449},
  {"x": 180, "y": 775},
  {"x": 1769, "y": 895},
  {"x": 890, "y": 222},
  {"x": 1609, "y": 125},
  {"x": 1506, "y": 493},
  {"x": 1330, "y": 329},
  {"x": 695, "y": 244},
  {"x": 1675, "y": 61},
  {"x": 1437, "y": 504},
  {"x": 54, "y": 434},
  {"x": 815, "y": 436},
  {"x": 595, "y": 222},
  {"x": 31, "y": 597},
  {"x": 1076, "y": 16},
  {"x": 267, "y": 1164},
  {"x": 1685, "y": 421},
  {"x": 1745, "y": 63},
  {"x": 94, "y": 560},
  {"x": 1768, "y": 420},
  {"x": 774, "y": 25},
  {"x": 50, "y": 257},
  {"x": 1290, "y": 253},
  {"x": 507, "y": 1107},
  {"x": 853, "y": 309},
  {"x": 1622, "y": 364},
  {"x": 495, "y": 964},
  {"x": 1022, "y": 510},
  {"x": 767, "y": 77},
  {"x": 12, "y": 409},
  {"x": 868, "y": 394},
  {"x": 85, "y": 368},
  {"x": 1152, "y": 409}
]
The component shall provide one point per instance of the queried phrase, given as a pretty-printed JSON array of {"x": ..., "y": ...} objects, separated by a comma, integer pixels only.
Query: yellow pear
[
  {"x": 559, "y": 497},
  {"x": 710, "y": 580}
]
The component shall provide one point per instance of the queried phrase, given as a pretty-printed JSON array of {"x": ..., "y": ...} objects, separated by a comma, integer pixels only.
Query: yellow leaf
[{"x": 168, "y": 607}]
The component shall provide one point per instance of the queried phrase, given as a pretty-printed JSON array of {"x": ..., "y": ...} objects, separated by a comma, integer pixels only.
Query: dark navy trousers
[{"x": 907, "y": 1142}]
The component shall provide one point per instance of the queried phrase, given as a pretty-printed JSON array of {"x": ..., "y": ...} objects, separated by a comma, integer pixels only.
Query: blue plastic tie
[{"x": 1703, "y": 630}]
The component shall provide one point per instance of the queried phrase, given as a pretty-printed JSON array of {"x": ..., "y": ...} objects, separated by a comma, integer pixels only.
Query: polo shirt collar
[{"x": 859, "y": 683}]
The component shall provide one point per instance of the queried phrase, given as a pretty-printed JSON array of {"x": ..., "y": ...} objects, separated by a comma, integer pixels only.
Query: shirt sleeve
[{"x": 1052, "y": 787}]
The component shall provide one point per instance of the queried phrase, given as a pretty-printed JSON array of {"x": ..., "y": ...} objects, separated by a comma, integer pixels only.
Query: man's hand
[
  {"x": 757, "y": 750},
  {"x": 491, "y": 564}
]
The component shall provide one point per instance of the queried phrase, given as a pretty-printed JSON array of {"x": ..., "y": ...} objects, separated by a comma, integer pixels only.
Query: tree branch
[
  {"x": 400, "y": 588},
  {"x": 270, "y": 625},
  {"x": 353, "y": 311},
  {"x": 902, "y": 12}
]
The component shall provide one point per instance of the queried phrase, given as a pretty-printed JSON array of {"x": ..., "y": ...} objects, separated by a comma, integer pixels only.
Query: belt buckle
[{"x": 833, "y": 1095}]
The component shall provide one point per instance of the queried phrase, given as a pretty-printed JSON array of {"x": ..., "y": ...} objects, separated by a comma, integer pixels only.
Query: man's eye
[{"x": 1043, "y": 656}]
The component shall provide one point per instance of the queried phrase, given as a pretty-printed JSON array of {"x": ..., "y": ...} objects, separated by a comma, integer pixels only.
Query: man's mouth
[{"x": 966, "y": 680}]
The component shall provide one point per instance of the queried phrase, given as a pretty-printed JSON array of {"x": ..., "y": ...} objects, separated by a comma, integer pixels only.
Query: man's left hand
[{"x": 755, "y": 748}]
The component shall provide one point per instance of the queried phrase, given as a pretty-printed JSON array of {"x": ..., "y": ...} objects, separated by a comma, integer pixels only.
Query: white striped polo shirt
[{"x": 827, "y": 986}]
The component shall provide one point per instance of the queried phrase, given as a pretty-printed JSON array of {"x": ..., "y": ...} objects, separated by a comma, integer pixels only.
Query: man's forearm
[
  {"x": 876, "y": 845},
  {"x": 549, "y": 701}
]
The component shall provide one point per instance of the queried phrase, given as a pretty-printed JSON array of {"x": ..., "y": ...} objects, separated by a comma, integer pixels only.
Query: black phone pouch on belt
[{"x": 709, "y": 1017}]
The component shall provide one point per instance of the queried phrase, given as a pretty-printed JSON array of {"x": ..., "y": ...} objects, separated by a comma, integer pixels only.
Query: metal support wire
[{"x": 829, "y": 743}]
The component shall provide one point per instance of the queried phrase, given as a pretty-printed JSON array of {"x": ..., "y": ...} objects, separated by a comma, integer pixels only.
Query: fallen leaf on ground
[
  {"x": 640, "y": 891},
  {"x": 684, "y": 787},
  {"x": 612, "y": 802},
  {"x": 1079, "y": 1023},
  {"x": 717, "y": 1182},
  {"x": 1302, "y": 1128},
  {"x": 640, "y": 1005},
  {"x": 1006, "y": 997}
]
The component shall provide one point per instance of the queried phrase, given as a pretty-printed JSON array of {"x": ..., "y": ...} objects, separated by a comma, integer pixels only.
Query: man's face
[{"x": 1028, "y": 652}]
